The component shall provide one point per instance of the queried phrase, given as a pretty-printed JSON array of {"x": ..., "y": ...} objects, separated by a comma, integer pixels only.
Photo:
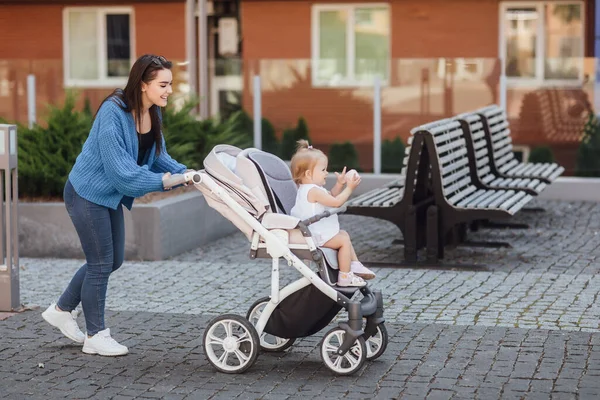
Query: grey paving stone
[{"x": 525, "y": 326}]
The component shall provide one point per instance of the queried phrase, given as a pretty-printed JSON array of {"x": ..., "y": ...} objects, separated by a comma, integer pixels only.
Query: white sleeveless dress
[{"x": 322, "y": 230}]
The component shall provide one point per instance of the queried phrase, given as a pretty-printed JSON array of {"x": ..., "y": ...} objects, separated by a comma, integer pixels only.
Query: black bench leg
[
  {"x": 462, "y": 232},
  {"x": 410, "y": 238},
  {"x": 435, "y": 246}
]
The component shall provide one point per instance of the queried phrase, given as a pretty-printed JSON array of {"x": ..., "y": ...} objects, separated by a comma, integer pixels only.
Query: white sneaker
[
  {"x": 350, "y": 280},
  {"x": 360, "y": 270},
  {"x": 65, "y": 321},
  {"x": 101, "y": 343}
]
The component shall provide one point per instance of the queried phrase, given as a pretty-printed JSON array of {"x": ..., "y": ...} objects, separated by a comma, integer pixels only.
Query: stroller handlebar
[{"x": 182, "y": 179}]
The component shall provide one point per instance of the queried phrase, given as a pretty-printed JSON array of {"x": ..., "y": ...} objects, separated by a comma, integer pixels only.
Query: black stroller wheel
[
  {"x": 230, "y": 343},
  {"x": 268, "y": 342},
  {"x": 350, "y": 362},
  {"x": 377, "y": 343}
]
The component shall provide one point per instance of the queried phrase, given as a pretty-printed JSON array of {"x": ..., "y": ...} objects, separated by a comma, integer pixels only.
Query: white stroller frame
[{"x": 344, "y": 349}]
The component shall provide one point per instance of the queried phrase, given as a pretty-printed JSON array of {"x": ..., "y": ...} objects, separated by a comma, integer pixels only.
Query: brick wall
[
  {"x": 419, "y": 30},
  {"x": 32, "y": 43},
  {"x": 425, "y": 29}
]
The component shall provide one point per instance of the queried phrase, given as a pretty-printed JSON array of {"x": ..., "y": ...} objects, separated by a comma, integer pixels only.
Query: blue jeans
[{"x": 101, "y": 231}]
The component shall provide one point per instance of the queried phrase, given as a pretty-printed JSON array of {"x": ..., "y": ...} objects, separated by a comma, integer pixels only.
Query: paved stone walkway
[
  {"x": 433, "y": 361},
  {"x": 522, "y": 325}
]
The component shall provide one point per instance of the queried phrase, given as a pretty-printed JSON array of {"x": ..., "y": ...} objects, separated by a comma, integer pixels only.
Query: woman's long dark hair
[{"x": 143, "y": 70}]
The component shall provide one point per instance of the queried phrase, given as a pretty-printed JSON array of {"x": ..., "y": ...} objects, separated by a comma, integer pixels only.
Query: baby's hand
[
  {"x": 351, "y": 174},
  {"x": 341, "y": 178},
  {"x": 353, "y": 181}
]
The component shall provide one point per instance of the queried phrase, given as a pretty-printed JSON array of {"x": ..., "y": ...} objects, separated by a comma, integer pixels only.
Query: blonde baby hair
[{"x": 305, "y": 159}]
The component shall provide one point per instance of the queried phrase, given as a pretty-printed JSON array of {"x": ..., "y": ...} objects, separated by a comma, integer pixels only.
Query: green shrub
[
  {"x": 270, "y": 143},
  {"x": 233, "y": 131},
  {"x": 181, "y": 132},
  {"x": 291, "y": 137},
  {"x": 541, "y": 154},
  {"x": 189, "y": 141},
  {"x": 342, "y": 155},
  {"x": 268, "y": 137},
  {"x": 46, "y": 155},
  {"x": 588, "y": 161},
  {"x": 392, "y": 155}
]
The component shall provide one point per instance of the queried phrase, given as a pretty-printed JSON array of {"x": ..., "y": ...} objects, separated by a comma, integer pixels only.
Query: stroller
[{"x": 255, "y": 191}]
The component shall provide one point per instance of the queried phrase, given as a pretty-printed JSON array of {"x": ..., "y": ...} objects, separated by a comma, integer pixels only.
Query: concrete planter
[
  {"x": 566, "y": 188},
  {"x": 154, "y": 231},
  {"x": 169, "y": 227}
]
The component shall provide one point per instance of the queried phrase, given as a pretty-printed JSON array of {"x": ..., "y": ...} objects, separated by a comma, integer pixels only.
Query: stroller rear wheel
[
  {"x": 230, "y": 343},
  {"x": 377, "y": 343},
  {"x": 350, "y": 362},
  {"x": 268, "y": 342}
]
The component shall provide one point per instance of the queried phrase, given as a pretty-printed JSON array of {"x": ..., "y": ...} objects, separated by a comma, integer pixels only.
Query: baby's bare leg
[
  {"x": 341, "y": 243},
  {"x": 353, "y": 257}
]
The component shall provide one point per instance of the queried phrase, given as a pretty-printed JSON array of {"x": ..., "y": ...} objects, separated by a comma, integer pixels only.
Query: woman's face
[{"x": 159, "y": 89}]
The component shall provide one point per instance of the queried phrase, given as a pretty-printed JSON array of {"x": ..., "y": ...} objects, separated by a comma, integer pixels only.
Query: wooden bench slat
[
  {"x": 443, "y": 127},
  {"x": 448, "y": 158},
  {"x": 477, "y": 197},
  {"x": 505, "y": 166},
  {"x": 382, "y": 198},
  {"x": 480, "y": 147},
  {"x": 456, "y": 186},
  {"x": 489, "y": 201},
  {"x": 488, "y": 179},
  {"x": 369, "y": 196},
  {"x": 455, "y": 176},
  {"x": 557, "y": 172},
  {"x": 455, "y": 199},
  {"x": 511, "y": 200},
  {"x": 520, "y": 204},
  {"x": 521, "y": 169},
  {"x": 537, "y": 168}
]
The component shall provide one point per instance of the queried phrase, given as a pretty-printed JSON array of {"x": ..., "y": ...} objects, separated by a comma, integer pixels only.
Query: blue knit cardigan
[{"x": 106, "y": 171}]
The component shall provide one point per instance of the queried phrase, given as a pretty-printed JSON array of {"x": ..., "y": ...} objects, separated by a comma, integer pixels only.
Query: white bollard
[
  {"x": 31, "y": 100},
  {"x": 503, "y": 91},
  {"x": 257, "y": 113},
  {"x": 377, "y": 127}
]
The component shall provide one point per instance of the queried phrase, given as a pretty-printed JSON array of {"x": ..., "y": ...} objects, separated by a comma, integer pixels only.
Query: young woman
[{"x": 124, "y": 157}]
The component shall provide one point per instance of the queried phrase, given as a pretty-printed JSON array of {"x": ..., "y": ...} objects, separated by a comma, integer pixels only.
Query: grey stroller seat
[{"x": 281, "y": 194}]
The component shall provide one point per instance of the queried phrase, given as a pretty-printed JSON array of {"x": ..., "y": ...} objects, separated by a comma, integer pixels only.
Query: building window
[
  {"x": 350, "y": 44},
  {"x": 542, "y": 42},
  {"x": 98, "y": 46}
]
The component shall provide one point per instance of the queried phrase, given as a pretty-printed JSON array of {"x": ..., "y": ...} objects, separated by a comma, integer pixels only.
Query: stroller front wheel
[
  {"x": 350, "y": 362},
  {"x": 377, "y": 343},
  {"x": 268, "y": 342},
  {"x": 230, "y": 343}
]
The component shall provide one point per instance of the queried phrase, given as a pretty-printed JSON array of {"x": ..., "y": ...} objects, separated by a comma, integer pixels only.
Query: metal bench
[
  {"x": 458, "y": 201},
  {"x": 482, "y": 171},
  {"x": 503, "y": 162}
]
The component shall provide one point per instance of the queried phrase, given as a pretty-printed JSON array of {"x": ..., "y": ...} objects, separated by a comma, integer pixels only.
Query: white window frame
[
  {"x": 103, "y": 81},
  {"x": 540, "y": 49},
  {"x": 350, "y": 44}
]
